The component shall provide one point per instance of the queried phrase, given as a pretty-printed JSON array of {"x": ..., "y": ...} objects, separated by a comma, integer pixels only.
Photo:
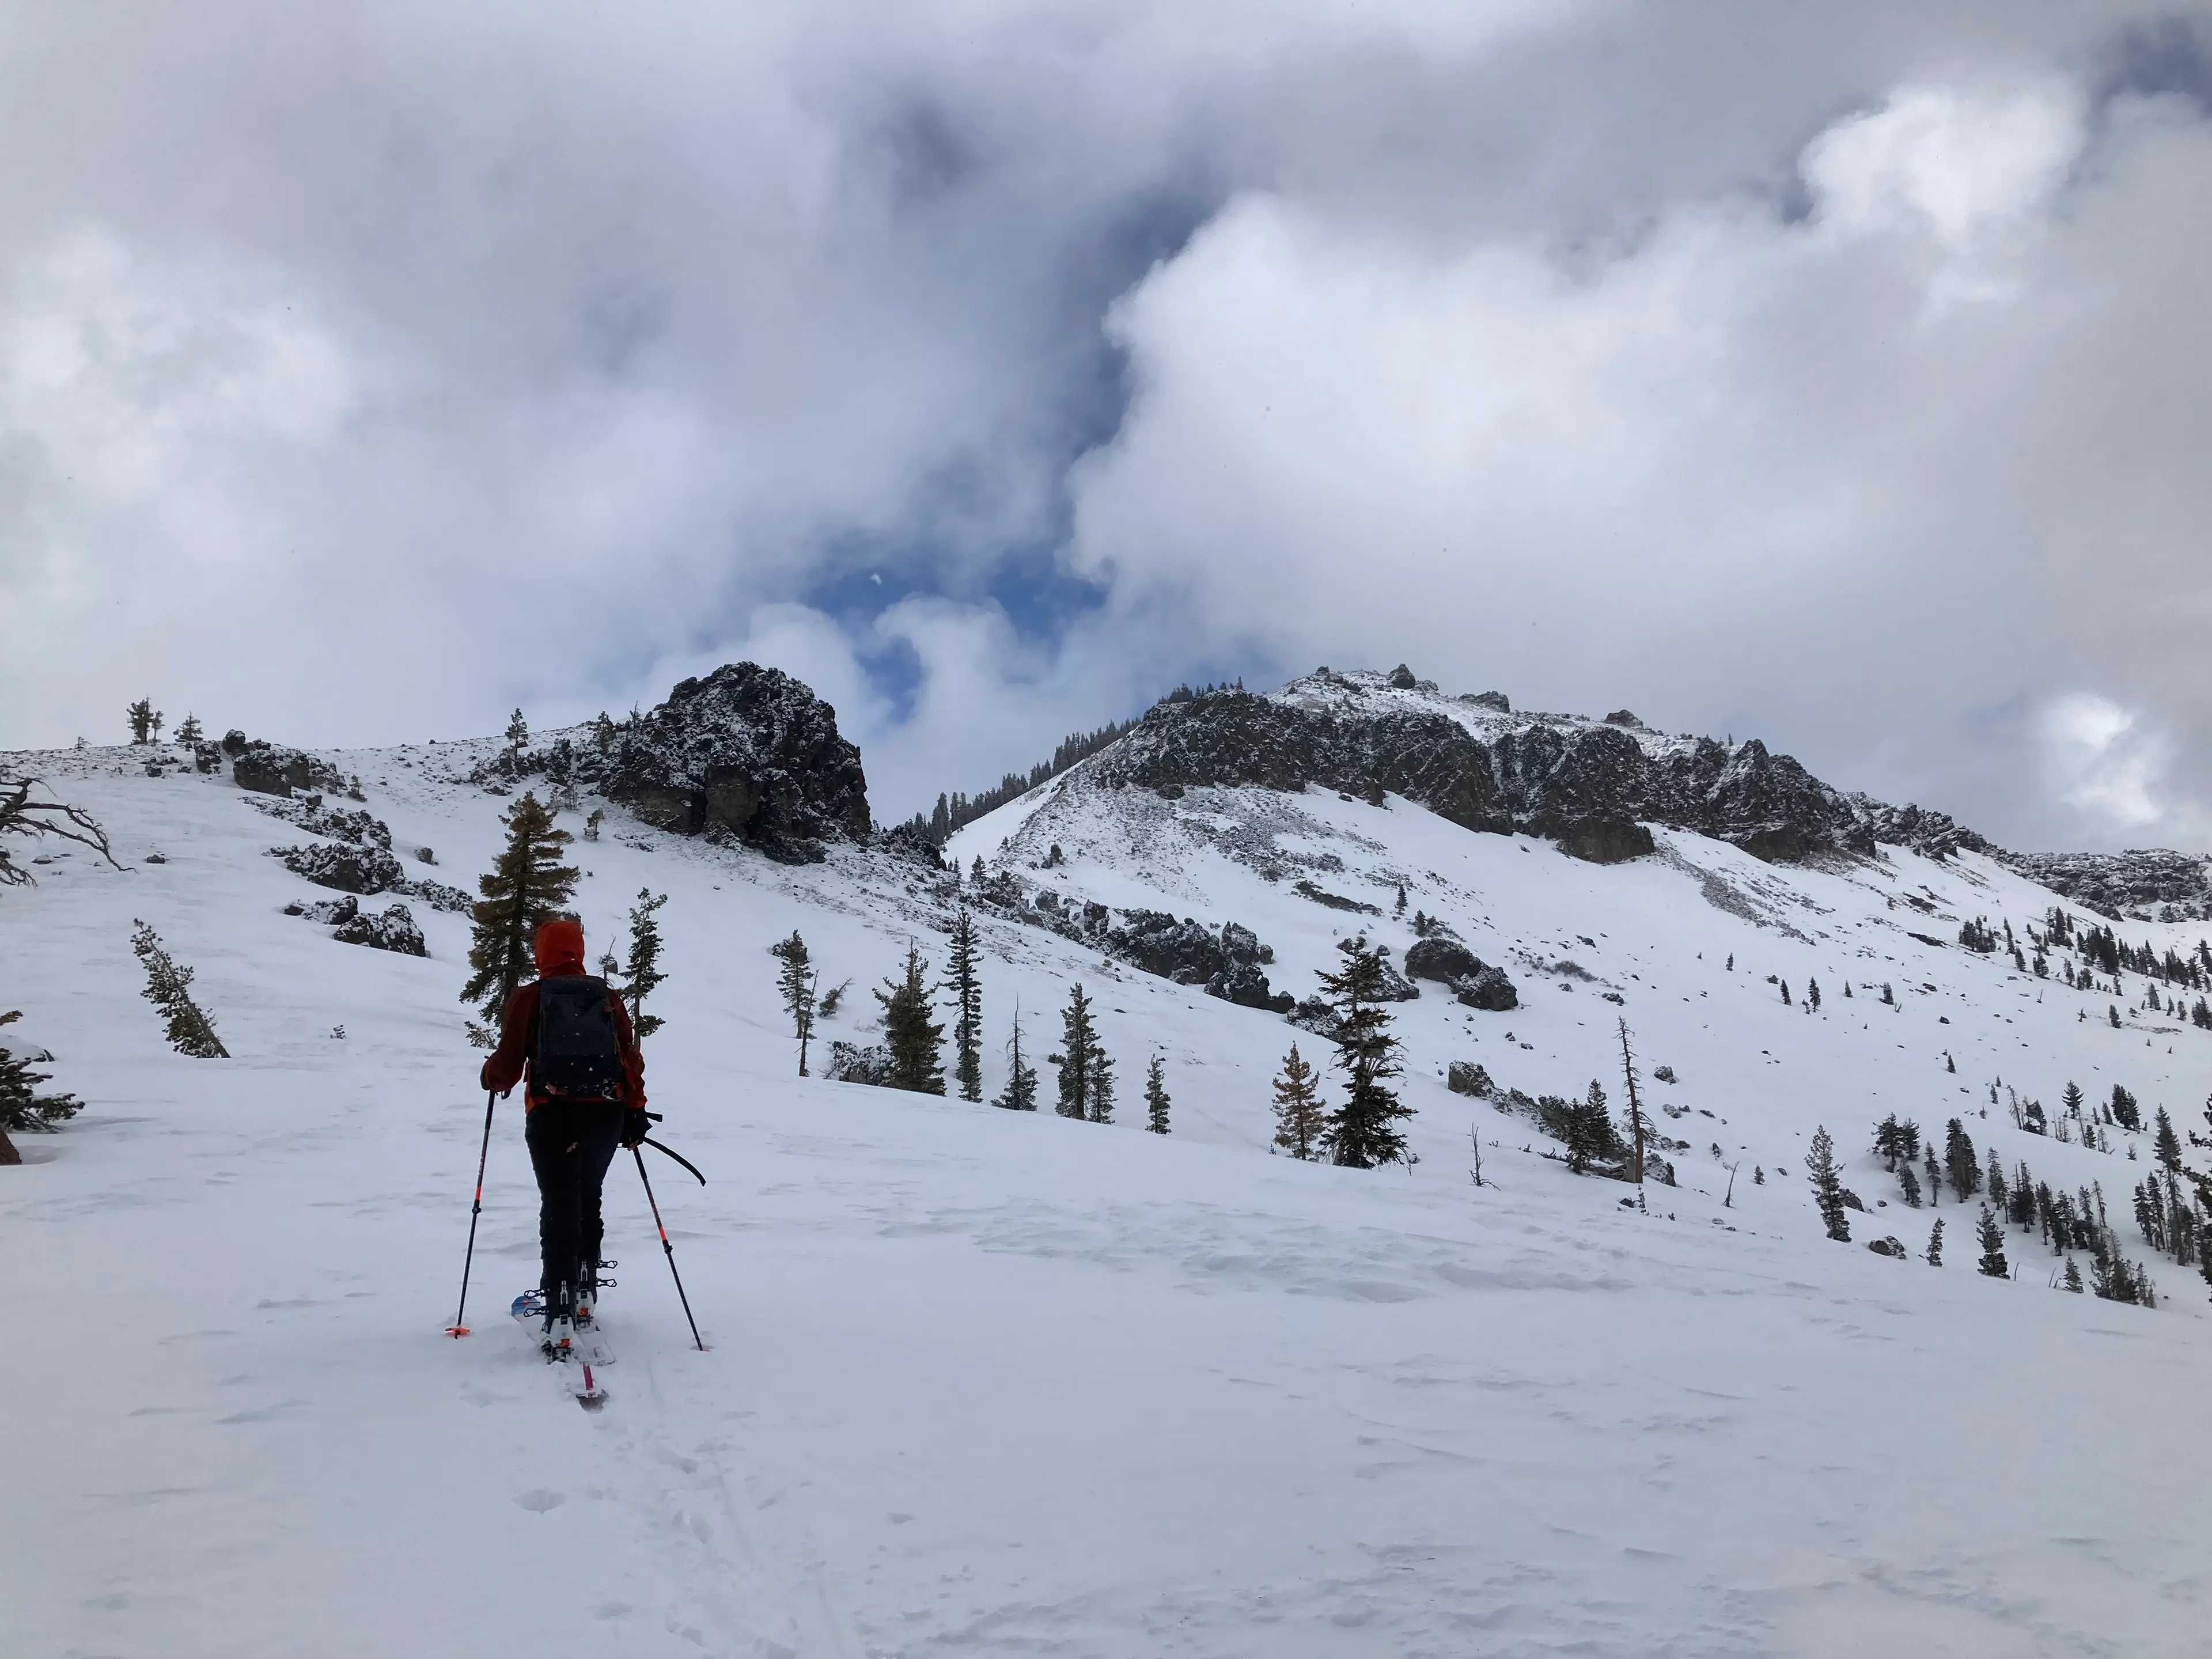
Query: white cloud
[{"x": 2103, "y": 762}]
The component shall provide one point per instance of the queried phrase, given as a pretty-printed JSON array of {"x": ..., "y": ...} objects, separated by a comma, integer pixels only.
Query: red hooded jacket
[{"x": 559, "y": 950}]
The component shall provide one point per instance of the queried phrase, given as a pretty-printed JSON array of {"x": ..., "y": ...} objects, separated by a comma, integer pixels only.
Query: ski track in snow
[{"x": 982, "y": 1383}]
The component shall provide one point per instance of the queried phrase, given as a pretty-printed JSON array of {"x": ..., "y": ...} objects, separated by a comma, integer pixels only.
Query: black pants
[{"x": 571, "y": 1144}]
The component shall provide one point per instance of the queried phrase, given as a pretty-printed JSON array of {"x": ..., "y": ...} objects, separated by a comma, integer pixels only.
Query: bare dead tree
[
  {"x": 21, "y": 816},
  {"x": 1635, "y": 1110}
]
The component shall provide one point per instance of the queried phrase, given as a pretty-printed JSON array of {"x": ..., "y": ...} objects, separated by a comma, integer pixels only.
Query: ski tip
[{"x": 457, "y": 1330}]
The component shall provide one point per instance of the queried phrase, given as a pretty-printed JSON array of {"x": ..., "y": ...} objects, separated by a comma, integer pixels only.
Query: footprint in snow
[{"x": 537, "y": 1500}]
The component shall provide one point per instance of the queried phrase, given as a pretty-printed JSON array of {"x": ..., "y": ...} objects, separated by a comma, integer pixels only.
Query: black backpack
[{"x": 578, "y": 1056}]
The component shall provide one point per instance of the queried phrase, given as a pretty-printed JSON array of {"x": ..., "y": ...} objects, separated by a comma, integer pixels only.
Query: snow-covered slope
[{"x": 982, "y": 1381}]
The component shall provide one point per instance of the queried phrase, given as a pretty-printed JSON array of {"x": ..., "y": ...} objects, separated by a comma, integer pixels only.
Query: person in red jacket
[{"x": 568, "y": 1038}]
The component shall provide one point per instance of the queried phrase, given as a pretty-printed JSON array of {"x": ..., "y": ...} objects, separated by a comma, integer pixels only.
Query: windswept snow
[{"x": 993, "y": 1383}]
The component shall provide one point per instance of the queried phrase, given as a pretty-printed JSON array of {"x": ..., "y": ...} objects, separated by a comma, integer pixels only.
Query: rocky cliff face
[
  {"x": 747, "y": 751},
  {"x": 1590, "y": 785}
]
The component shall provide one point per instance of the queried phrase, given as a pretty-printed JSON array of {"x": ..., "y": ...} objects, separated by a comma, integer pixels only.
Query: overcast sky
[{"x": 1837, "y": 375}]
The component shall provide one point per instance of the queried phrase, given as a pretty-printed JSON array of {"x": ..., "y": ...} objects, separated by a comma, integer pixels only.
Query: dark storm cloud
[{"x": 1830, "y": 372}]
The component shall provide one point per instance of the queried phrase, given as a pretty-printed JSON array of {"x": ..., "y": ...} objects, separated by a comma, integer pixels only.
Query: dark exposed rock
[
  {"x": 348, "y": 869},
  {"x": 272, "y": 769},
  {"x": 436, "y": 894},
  {"x": 1466, "y": 1078},
  {"x": 2142, "y": 882},
  {"x": 1590, "y": 785},
  {"x": 1402, "y": 677},
  {"x": 910, "y": 842},
  {"x": 1489, "y": 990},
  {"x": 1441, "y": 959},
  {"x": 1497, "y": 700},
  {"x": 345, "y": 823},
  {"x": 1226, "y": 963},
  {"x": 394, "y": 930},
  {"x": 1601, "y": 840},
  {"x": 747, "y": 751},
  {"x": 1622, "y": 717}
]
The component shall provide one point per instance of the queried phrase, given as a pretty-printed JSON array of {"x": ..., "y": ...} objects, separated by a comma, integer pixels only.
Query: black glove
[{"x": 636, "y": 1126}]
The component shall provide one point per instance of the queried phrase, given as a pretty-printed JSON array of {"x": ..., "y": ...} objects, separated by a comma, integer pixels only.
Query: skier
[{"x": 571, "y": 1037}]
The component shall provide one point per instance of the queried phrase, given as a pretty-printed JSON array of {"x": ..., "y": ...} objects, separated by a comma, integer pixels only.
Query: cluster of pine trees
[
  {"x": 1362, "y": 1132},
  {"x": 2066, "y": 1221},
  {"x": 954, "y": 812},
  {"x": 914, "y": 1039},
  {"x": 2100, "y": 948}
]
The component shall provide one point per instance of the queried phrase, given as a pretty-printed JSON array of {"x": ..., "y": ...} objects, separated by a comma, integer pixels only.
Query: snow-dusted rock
[
  {"x": 368, "y": 869},
  {"x": 747, "y": 751}
]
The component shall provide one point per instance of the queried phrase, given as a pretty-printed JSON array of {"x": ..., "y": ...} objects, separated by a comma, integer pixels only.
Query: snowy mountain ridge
[{"x": 987, "y": 1381}]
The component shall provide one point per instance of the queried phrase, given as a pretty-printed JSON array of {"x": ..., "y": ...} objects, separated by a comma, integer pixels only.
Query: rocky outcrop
[
  {"x": 1466, "y": 1078},
  {"x": 1227, "y": 962},
  {"x": 747, "y": 752},
  {"x": 1592, "y": 786},
  {"x": 1489, "y": 990},
  {"x": 272, "y": 769},
  {"x": 1472, "y": 980},
  {"x": 394, "y": 930},
  {"x": 2146, "y": 883},
  {"x": 364, "y": 870}
]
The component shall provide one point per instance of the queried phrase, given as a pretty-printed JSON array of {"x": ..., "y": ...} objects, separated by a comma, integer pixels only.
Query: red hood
[{"x": 559, "y": 948}]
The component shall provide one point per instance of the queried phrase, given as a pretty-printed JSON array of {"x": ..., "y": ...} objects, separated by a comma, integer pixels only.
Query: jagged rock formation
[
  {"x": 1226, "y": 963},
  {"x": 272, "y": 769},
  {"x": 350, "y": 869},
  {"x": 1592, "y": 786},
  {"x": 2145, "y": 882},
  {"x": 395, "y": 930},
  {"x": 747, "y": 752}
]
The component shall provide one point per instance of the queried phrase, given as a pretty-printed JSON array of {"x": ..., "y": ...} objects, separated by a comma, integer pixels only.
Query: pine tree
[
  {"x": 968, "y": 999},
  {"x": 190, "y": 733},
  {"x": 1300, "y": 1120},
  {"x": 1021, "y": 1078},
  {"x": 1989, "y": 1233},
  {"x": 1078, "y": 1043},
  {"x": 2073, "y": 1280},
  {"x": 642, "y": 974},
  {"x": 1364, "y": 1132},
  {"x": 1909, "y": 1183},
  {"x": 22, "y": 1108},
  {"x": 1935, "y": 1256},
  {"x": 1812, "y": 995},
  {"x": 794, "y": 984},
  {"x": 168, "y": 987},
  {"x": 1400, "y": 906},
  {"x": 1786, "y": 989},
  {"x": 2112, "y": 1009},
  {"x": 1935, "y": 1177},
  {"x": 2125, "y": 1109},
  {"x": 1960, "y": 1161},
  {"x": 1155, "y": 1097},
  {"x": 1994, "y": 1176},
  {"x": 2165, "y": 1145},
  {"x": 526, "y": 888},
  {"x": 518, "y": 734},
  {"x": 1098, "y": 1088},
  {"x": 145, "y": 721},
  {"x": 1827, "y": 1185},
  {"x": 916, "y": 1042}
]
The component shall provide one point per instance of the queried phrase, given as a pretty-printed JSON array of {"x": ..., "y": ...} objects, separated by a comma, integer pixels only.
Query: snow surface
[{"x": 988, "y": 1382}]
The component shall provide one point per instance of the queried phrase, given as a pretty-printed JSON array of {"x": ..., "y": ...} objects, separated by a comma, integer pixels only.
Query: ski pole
[
  {"x": 476, "y": 1209},
  {"x": 667, "y": 1247},
  {"x": 679, "y": 1157}
]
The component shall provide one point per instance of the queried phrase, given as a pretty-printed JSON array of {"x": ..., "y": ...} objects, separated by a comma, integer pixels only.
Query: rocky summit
[
  {"x": 1591, "y": 786},
  {"x": 747, "y": 752}
]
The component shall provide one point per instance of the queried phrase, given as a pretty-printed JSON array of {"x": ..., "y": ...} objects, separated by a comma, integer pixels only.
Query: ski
[{"x": 578, "y": 1371}]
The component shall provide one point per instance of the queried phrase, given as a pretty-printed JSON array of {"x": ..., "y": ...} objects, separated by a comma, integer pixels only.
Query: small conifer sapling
[
  {"x": 794, "y": 984},
  {"x": 642, "y": 974},
  {"x": 168, "y": 987},
  {"x": 1155, "y": 1097}
]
